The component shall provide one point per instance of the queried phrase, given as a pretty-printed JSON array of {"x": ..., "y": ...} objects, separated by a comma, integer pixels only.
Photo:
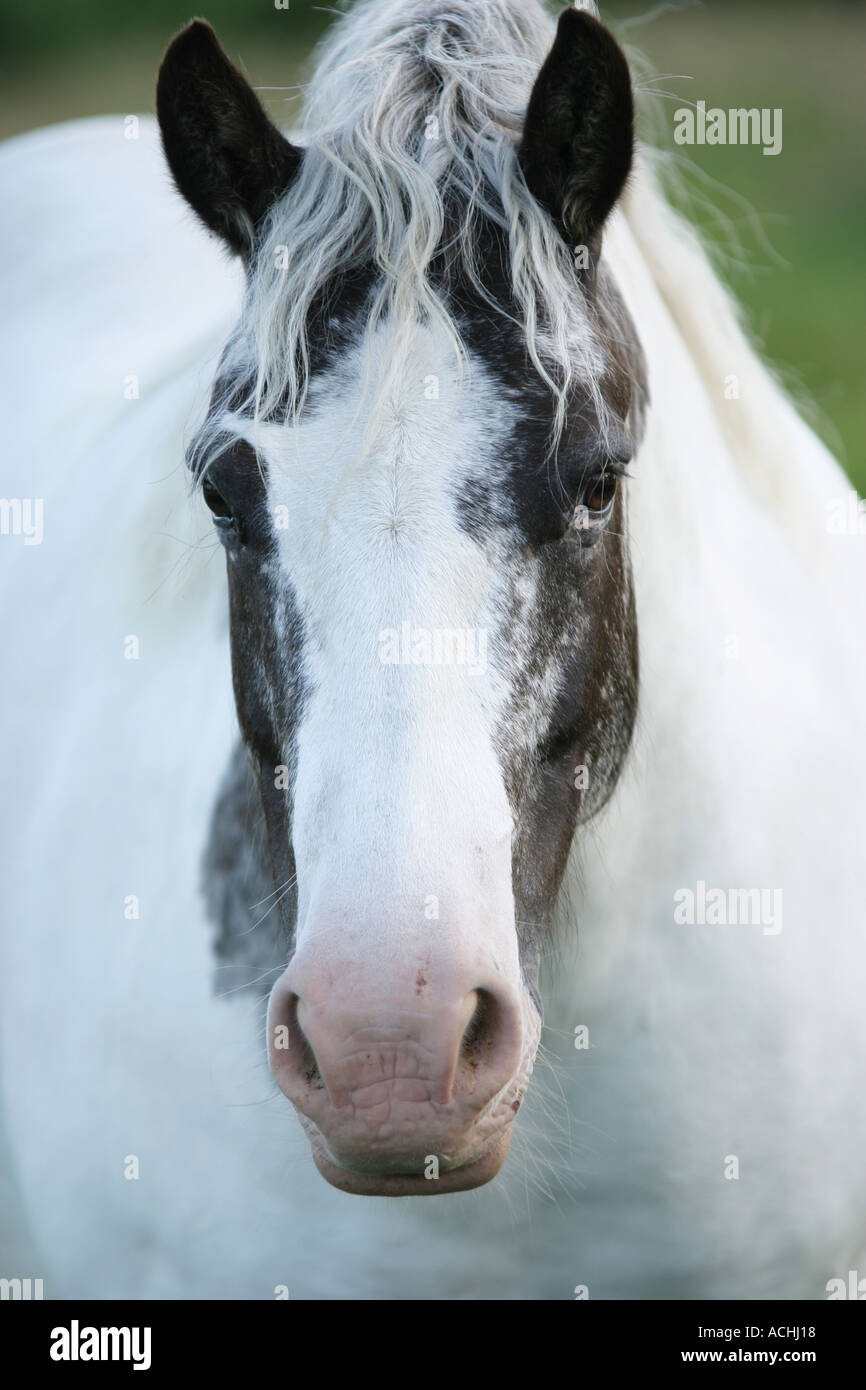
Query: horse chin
[{"x": 475, "y": 1173}]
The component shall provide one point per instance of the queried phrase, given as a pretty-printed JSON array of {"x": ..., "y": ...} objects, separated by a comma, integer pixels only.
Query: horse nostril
[
  {"x": 290, "y": 1039},
  {"x": 479, "y": 1031}
]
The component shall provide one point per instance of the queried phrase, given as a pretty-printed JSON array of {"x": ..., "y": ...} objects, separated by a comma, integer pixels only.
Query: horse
[{"x": 532, "y": 700}]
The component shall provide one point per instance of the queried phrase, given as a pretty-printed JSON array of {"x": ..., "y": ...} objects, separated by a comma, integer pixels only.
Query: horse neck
[
  {"x": 745, "y": 609},
  {"x": 709, "y": 385}
]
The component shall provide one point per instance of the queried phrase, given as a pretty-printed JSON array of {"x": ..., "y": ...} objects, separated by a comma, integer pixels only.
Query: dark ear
[
  {"x": 227, "y": 159},
  {"x": 578, "y": 137}
]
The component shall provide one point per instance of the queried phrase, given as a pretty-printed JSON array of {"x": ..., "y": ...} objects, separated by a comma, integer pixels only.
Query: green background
[{"x": 789, "y": 230}]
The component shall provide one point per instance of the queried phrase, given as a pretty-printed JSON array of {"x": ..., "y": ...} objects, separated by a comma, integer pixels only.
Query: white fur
[{"x": 705, "y": 1042}]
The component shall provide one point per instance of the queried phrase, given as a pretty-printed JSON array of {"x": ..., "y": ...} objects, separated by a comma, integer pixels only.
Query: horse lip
[{"x": 477, "y": 1171}]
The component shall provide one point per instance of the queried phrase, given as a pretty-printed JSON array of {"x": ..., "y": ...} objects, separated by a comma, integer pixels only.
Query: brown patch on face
[{"x": 624, "y": 385}]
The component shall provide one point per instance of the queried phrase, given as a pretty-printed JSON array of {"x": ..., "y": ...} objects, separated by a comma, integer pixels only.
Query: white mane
[{"x": 775, "y": 457}]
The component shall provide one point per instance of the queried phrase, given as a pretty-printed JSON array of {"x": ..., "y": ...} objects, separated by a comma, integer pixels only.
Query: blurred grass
[
  {"x": 805, "y": 292},
  {"x": 800, "y": 216},
  {"x": 64, "y": 26}
]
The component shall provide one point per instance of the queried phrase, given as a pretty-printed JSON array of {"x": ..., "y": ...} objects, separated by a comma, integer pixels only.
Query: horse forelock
[{"x": 410, "y": 133}]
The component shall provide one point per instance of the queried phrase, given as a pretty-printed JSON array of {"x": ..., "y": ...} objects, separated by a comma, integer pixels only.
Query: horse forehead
[{"x": 404, "y": 457}]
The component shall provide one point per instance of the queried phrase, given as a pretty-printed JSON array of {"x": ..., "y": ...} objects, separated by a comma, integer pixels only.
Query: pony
[{"x": 503, "y": 796}]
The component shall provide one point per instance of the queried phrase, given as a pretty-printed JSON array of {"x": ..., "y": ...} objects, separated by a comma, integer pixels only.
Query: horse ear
[
  {"x": 227, "y": 159},
  {"x": 578, "y": 137}
]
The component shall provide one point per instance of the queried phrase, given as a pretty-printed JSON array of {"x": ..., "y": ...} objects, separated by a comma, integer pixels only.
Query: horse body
[{"x": 707, "y": 1043}]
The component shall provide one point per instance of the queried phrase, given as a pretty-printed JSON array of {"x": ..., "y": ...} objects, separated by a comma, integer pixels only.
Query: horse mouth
[{"x": 430, "y": 1182}]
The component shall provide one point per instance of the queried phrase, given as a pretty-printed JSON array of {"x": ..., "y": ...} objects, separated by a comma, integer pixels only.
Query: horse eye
[
  {"x": 600, "y": 492},
  {"x": 215, "y": 501}
]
